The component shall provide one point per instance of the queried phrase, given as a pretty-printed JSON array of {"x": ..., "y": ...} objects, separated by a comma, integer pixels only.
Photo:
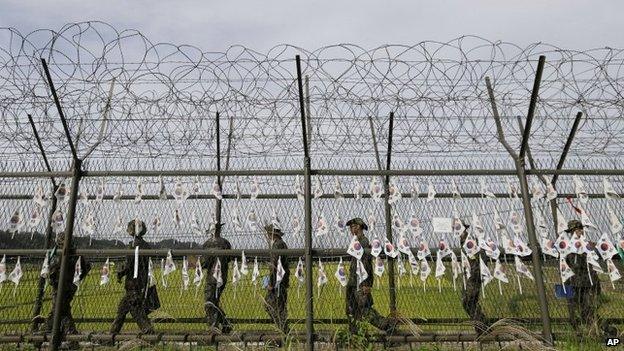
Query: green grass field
[{"x": 245, "y": 301}]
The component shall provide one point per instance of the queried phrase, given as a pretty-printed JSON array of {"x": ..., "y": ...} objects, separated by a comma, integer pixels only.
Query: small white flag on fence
[
  {"x": 235, "y": 272},
  {"x": 486, "y": 276},
  {"x": 77, "y": 272},
  {"x": 521, "y": 268},
  {"x": 185, "y": 274},
  {"x": 423, "y": 250},
  {"x": 376, "y": 189},
  {"x": 299, "y": 274},
  {"x": 216, "y": 273},
  {"x": 16, "y": 275},
  {"x": 243, "y": 266},
  {"x": 104, "y": 273},
  {"x": 361, "y": 272},
  {"x": 614, "y": 221},
  {"x": 379, "y": 266},
  {"x": 389, "y": 249},
  {"x": 395, "y": 193},
  {"x": 551, "y": 193},
  {"x": 376, "y": 247},
  {"x": 169, "y": 264},
  {"x": 340, "y": 274},
  {"x": 566, "y": 271},
  {"x": 321, "y": 226},
  {"x": 255, "y": 272},
  {"x": 318, "y": 188},
  {"x": 499, "y": 272},
  {"x": 609, "y": 190},
  {"x": 431, "y": 193},
  {"x": 199, "y": 273},
  {"x": 355, "y": 248},
  {"x": 605, "y": 247},
  {"x": 45, "y": 268},
  {"x": 614, "y": 274}
]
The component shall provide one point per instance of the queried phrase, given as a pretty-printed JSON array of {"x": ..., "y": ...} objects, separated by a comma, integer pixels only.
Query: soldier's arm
[
  {"x": 368, "y": 265},
  {"x": 207, "y": 263},
  {"x": 367, "y": 260},
  {"x": 273, "y": 271},
  {"x": 125, "y": 267}
]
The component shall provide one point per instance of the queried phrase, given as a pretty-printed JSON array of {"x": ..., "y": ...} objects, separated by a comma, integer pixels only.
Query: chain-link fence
[{"x": 144, "y": 123}]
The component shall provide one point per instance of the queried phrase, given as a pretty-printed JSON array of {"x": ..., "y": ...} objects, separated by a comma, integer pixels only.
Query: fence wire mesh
[{"x": 136, "y": 105}]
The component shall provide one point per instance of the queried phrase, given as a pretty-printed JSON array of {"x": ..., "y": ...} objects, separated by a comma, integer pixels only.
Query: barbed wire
[{"x": 165, "y": 97}]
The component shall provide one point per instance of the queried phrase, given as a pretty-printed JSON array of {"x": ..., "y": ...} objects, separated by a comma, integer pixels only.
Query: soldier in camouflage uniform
[
  {"x": 68, "y": 326},
  {"x": 585, "y": 284},
  {"x": 359, "y": 299},
  {"x": 470, "y": 296},
  {"x": 134, "y": 301},
  {"x": 214, "y": 314},
  {"x": 277, "y": 294}
]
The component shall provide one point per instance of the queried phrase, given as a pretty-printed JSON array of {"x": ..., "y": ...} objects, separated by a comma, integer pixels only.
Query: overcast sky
[{"x": 261, "y": 24}]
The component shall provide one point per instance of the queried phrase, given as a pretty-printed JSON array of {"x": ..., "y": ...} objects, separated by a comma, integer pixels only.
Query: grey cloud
[{"x": 262, "y": 24}]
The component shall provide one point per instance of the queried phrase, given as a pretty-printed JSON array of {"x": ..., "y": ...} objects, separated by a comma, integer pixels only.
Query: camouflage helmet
[
  {"x": 135, "y": 224},
  {"x": 213, "y": 228},
  {"x": 574, "y": 225},
  {"x": 359, "y": 221},
  {"x": 272, "y": 229}
]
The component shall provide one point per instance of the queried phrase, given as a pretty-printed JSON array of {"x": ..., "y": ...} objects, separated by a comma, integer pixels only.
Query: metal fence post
[
  {"x": 65, "y": 269},
  {"x": 388, "y": 213},
  {"x": 71, "y": 212},
  {"x": 218, "y": 204},
  {"x": 308, "y": 257},
  {"x": 308, "y": 217},
  {"x": 536, "y": 257},
  {"x": 528, "y": 211}
]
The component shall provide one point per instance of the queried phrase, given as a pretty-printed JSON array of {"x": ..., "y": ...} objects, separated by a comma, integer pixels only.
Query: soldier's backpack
[
  {"x": 562, "y": 293},
  {"x": 152, "y": 302}
]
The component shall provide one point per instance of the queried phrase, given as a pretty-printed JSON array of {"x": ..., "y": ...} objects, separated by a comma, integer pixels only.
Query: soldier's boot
[
  {"x": 609, "y": 331},
  {"x": 387, "y": 324},
  {"x": 390, "y": 325},
  {"x": 353, "y": 325},
  {"x": 226, "y": 326},
  {"x": 73, "y": 345}
]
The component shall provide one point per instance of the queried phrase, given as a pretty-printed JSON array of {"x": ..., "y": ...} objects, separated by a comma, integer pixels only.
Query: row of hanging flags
[
  {"x": 477, "y": 239},
  {"x": 181, "y": 192}
]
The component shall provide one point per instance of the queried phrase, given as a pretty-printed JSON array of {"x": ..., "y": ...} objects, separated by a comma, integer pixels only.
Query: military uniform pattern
[
  {"x": 215, "y": 316},
  {"x": 133, "y": 301},
  {"x": 586, "y": 291},
  {"x": 68, "y": 326},
  {"x": 277, "y": 296},
  {"x": 470, "y": 296},
  {"x": 359, "y": 301}
]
